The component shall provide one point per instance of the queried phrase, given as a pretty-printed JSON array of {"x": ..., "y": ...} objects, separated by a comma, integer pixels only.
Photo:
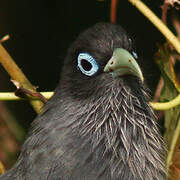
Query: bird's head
[
  {"x": 102, "y": 84},
  {"x": 100, "y": 56}
]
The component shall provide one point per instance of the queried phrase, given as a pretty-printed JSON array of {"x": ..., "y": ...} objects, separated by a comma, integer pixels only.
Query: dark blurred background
[{"x": 41, "y": 31}]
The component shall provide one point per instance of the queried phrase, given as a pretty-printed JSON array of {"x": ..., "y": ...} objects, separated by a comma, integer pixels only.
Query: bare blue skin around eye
[{"x": 91, "y": 60}]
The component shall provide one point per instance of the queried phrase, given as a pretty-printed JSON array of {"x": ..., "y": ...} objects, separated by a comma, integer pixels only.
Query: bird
[{"x": 99, "y": 124}]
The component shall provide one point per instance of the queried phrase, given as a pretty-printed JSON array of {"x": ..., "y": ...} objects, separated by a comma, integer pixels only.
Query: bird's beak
[{"x": 122, "y": 63}]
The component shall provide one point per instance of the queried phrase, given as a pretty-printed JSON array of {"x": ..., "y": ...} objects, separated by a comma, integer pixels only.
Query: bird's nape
[{"x": 98, "y": 125}]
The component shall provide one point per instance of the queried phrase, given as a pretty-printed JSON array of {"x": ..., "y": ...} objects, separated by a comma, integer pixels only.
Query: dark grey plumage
[{"x": 94, "y": 128}]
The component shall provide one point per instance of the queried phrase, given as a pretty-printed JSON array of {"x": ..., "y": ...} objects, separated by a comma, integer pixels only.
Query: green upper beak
[{"x": 122, "y": 63}]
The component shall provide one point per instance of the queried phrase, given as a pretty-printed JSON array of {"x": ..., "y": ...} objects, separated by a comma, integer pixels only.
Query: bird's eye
[{"x": 87, "y": 64}]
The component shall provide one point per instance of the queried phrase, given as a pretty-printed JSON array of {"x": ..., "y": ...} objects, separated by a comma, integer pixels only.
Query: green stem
[
  {"x": 10, "y": 96},
  {"x": 173, "y": 145},
  {"x": 166, "y": 105}
]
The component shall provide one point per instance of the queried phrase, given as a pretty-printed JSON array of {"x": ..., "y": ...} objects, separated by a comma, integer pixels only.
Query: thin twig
[
  {"x": 173, "y": 144},
  {"x": 113, "y": 11},
  {"x": 158, "y": 89},
  {"x": 24, "y": 93},
  {"x": 161, "y": 80},
  {"x": 21, "y": 92},
  {"x": 10, "y": 96},
  {"x": 164, "y": 12}
]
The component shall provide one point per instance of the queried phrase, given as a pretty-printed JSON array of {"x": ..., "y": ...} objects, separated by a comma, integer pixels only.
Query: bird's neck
[{"x": 121, "y": 127}]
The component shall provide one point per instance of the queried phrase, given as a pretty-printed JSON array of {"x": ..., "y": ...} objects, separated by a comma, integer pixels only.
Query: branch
[
  {"x": 10, "y": 96},
  {"x": 23, "y": 92},
  {"x": 16, "y": 74},
  {"x": 157, "y": 23},
  {"x": 173, "y": 145},
  {"x": 166, "y": 105},
  {"x": 113, "y": 11},
  {"x": 158, "y": 89},
  {"x": 164, "y": 12}
]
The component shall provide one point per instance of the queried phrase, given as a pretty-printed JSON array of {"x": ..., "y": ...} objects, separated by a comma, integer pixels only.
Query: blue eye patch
[{"x": 87, "y": 64}]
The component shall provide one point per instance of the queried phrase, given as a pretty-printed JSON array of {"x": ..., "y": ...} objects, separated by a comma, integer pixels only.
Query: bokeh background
[{"x": 40, "y": 33}]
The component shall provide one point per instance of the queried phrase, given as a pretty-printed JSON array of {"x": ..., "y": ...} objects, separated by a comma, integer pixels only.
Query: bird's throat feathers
[{"x": 119, "y": 125}]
